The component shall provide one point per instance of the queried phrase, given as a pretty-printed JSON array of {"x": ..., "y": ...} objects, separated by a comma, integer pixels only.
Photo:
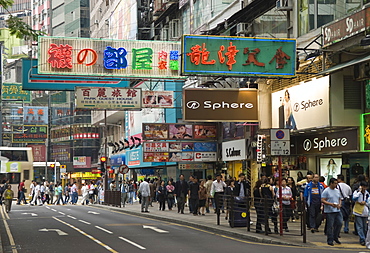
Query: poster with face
[
  {"x": 205, "y": 131},
  {"x": 187, "y": 146},
  {"x": 181, "y": 131},
  {"x": 330, "y": 167},
  {"x": 175, "y": 146},
  {"x": 175, "y": 157},
  {"x": 155, "y": 131}
]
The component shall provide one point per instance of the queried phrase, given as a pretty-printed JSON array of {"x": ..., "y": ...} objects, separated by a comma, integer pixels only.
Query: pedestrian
[
  {"x": 21, "y": 192},
  {"x": 202, "y": 197},
  {"x": 286, "y": 196},
  {"x": 74, "y": 193},
  {"x": 181, "y": 191},
  {"x": 47, "y": 193},
  {"x": 170, "y": 189},
  {"x": 112, "y": 185},
  {"x": 37, "y": 196},
  {"x": 332, "y": 203},
  {"x": 131, "y": 189},
  {"x": 242, "y": 187},
  {"x": 8, "y": 196},
  {"x": 59, "y": 194},
  {"x": 85, "y": 194},
  {"x": 230, "y": 192},
  {"x": 67, "y": 191},
  {"x": 217, "y": 191},
  {"x": 124, "y": 192},
  {"x": 258, "y": 204},
  {"x": 210, "y": 199},
  {"x": 32, "y": 191},
  {"x": 293, "y": 201},
  {"x": 52, "y": 192},
  {"x": 144, "y": 191},
  {"x": 194, "y": 194},
  {"x": 361, "y": 211},
  {"x": 161, "y": 195},
  {"x": 345, "y": 194},
  {"x": 153, "y": 193},
  {"x": 42, "y": 192},
  {"x": 312, "y": 195},
  {"x": 268, "y": 196}
]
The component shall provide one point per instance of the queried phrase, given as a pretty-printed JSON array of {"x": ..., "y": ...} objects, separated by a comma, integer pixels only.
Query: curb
[{"x": 216, "y": 230}]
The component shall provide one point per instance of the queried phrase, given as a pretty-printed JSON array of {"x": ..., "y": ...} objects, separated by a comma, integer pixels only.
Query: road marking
[
  {"x": 88, "y": 223},
  {"x": 47, "y": 207},
  {"x": 53, "y": 210},
  {"x": 132, "y": 243},
  {"x": 60, "y": 232},
  {"x": 69, "y": 216},
  {"x": 10, "y": 236},
  {"x": 93, "y": 212},
  {"x": 87, "y": 235},
  {"x": 109, "y": 232},
  {"x": 62, "y": 213},
  {"x": 33, "y": 214},
  {"x": 155, "y": 229}
]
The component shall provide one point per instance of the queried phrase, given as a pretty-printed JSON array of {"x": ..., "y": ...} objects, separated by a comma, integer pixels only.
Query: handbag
[
  {"x": 170, "y": 195},
  {"x": 275, "y": 207}
]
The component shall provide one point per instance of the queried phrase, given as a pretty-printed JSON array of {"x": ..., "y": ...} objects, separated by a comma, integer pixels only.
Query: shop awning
[{"x": 345, "y": 65}]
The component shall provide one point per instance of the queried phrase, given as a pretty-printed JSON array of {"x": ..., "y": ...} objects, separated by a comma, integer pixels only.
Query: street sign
[
  {"x": 123, "y": 169},
  {"x": 280, "y": 142}
]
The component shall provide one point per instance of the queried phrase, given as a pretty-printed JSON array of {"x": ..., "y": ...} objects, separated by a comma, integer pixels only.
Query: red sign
[
  {"x": 95, "y": 171},
  {"x": 39, "y": 153}
]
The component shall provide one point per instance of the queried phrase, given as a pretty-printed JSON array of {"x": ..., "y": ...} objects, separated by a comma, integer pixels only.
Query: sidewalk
[{"x": 209, "y": 224}]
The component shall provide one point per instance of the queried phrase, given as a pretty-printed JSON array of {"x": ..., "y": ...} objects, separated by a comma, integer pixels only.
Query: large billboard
[
  {"x": 296, "y": 107},
  {"x": 237, "y": 56},
  {"x": 215, "y": 105},
  {"x": 109, "y": 58}
]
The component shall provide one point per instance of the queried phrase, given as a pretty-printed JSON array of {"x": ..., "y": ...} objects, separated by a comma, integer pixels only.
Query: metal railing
[
  {"x": 112, "y": 198},
  {"x": 238, "y": 214}
]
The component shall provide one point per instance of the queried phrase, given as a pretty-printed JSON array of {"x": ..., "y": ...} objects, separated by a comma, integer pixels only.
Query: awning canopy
[{"x": 345, "y": 65}]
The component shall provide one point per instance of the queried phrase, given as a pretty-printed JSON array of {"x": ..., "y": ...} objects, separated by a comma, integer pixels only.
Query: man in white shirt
[
  {"x": 36, "y": 196},
  {"x": 85, "y": 194},
  {"x": 144, "y": 190},
  {"x": 217, "y": 190},
  {"x": 345, "y": 195}
]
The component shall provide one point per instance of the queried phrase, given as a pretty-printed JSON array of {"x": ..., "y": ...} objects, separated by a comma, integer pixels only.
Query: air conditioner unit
[
  {"x": 243, "y": 29},
  {"x": 284, "y": 5},
  {"x": 361, "y": 71}
]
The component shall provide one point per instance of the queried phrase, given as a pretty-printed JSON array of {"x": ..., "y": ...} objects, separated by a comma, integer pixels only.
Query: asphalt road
[{"x": 73, "y": 229}]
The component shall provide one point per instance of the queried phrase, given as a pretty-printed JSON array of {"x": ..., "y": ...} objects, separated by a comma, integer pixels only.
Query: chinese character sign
[
  {"x": 30, "y": 134},
  {"x": 238, "y": 56},
  {"x": 114, "y": 58},
  {"x": 14, "y": 91},
  {"x": 108, "y": 98},
  {"x": 35, "y": 115}
]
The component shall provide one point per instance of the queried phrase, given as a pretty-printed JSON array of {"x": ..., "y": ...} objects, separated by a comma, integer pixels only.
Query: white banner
[
  {"x": 302, "y": 106},
  {"x": 233, "y": 150},
  {"x": 108, "y": 98}
]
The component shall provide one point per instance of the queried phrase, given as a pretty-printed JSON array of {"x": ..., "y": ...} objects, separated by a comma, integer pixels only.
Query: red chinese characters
[
  {"x": 60, "y": 56},
  {"x": 280, "y": 57},
  {"x": 82, "y": 56},
  {"x": 200, "y": 55},
  {"x": 162, "y": 56}
]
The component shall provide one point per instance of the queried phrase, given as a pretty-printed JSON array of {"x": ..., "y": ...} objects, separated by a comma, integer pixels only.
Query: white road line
[
  {"x": 62, "y": 213},
  {"x": 69, "y": 216},
  {"x": 87, "y": 235},
  {"x": 88, "y": 223},
  {"x": 53, "y": 210},
  {"x": 132, "y": 243},
  {"x": 109, "y": 232},
  {"x": 47, "y": 207},
  {"x": 10, "y": 236}
]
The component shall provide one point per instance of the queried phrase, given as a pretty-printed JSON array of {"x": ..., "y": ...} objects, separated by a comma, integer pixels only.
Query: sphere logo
[
  {"x": 193, "y": 105},
  {"x": 307, "y": 145},
  {"x": 296, "y": 107}
]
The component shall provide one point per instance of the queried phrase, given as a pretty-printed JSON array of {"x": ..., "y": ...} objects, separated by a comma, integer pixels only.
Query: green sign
[
  {"x": 13, "y": 167},
  {"x": 30, "y": 134},
  {"x": 238, "y": 56},
  {"x": 13, "y": 91}
]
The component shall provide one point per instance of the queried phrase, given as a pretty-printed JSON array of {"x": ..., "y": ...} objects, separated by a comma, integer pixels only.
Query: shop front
[{"x": 331, "y": 153}]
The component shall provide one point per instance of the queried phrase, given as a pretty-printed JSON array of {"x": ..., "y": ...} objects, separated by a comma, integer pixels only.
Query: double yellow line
[{"x": 5, "y": 217}]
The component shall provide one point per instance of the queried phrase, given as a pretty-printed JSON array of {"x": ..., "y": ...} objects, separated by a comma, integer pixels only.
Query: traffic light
[
  {"x": 52, "y": 166},
  {"x": 103, "y": 160}
]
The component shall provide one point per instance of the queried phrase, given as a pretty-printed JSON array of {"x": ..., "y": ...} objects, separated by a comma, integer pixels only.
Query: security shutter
[{"x": 352, "y": 93}]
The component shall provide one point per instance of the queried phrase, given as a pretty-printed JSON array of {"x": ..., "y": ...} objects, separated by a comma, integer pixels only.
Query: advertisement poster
[
  {"x": 187, "y": 156},
  {"x": 187, "y": 146},
  {"x": 205, "y": 131},
  {"x": 156, "y": 146},
  {"x": 156, "y": 157},
  {"x": 157, "y": 99},
  {"x": 330, "y": 167},
  {"x": 181, "y": 131},
  {"x": 155, "y": 131},
  {"x": 175, "y": 157},
  {"x": 175, "y": 146},
  {"x": 295, "y": 107},
  {"x": 205, "y": 157},
  {"x": 205, "y": 146}
]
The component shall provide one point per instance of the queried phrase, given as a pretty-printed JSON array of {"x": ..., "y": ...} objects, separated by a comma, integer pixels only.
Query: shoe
[
  {"x": 286, "y": 230},
  {"x": 142, "y": 211},
  {"x": 226, "y": 218},
  {"x": 293, "y": 220},
  {"x": 182, "y": 212},
  {"x": 362, "y": 243},
  {"x": 259, "y": 231},
  {"x": 147, "y": 211},
  {"x": 312, "y": 230},
  {"x": 194, "y": 214},
  {"x": 330, "y": 243},
  {"x": 203, "y": 214},
  {"x": 223, "y": 211},
  {"x": 337, "y": 241},
  {"x": 18, "y": 203},
  {"x": 355, "y": 233},
  {"x": 316, "y": 230},
  {"x": 346, "y": 232}
]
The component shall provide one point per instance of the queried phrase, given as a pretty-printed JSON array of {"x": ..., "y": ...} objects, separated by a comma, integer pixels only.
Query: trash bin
[{"x": 239, "y": 211}]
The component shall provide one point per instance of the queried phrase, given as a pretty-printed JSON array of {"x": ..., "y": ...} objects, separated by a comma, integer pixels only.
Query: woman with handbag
[
  {"x": 286, "y": 195},
  {"x": 170, "y": 197}
]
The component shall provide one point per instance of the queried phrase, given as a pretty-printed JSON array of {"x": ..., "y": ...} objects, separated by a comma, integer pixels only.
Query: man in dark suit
[
  {"x": 181, "y": 190},
  {"x": 242, "y": 187}
]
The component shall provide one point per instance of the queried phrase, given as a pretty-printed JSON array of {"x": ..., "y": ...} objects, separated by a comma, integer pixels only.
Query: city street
[{"x": 86, "y": 228}]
